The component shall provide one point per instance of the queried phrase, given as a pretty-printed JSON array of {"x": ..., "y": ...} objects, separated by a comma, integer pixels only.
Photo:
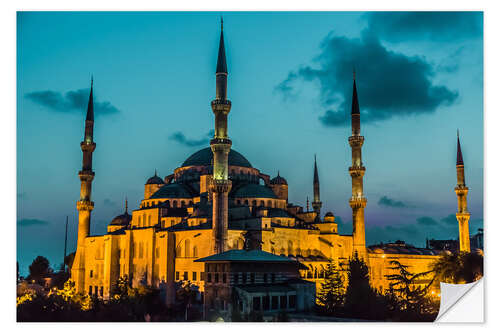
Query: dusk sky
[{"x": 419, "y": 78}]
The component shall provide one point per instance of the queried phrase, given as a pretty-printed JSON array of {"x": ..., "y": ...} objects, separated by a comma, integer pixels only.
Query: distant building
[
  {"x": 256, "y": 281},
  {"x": 451, "y": 245}
]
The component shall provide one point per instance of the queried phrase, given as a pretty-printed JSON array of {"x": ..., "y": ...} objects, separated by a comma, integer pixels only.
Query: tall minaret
[
  {"x": 461, "y": 190},
  {"x": 357, "y": 171},
  {"x": 84, "y": 205},
  {"x": 316, "y": 202},
  {"x": 221, "y": 145}
]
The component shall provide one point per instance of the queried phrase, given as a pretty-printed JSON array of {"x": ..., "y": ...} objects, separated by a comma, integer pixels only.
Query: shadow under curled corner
[{"x": 461, "y": 302}]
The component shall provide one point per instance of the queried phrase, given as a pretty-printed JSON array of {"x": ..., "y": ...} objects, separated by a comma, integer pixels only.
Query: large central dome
[{"x": 205, "y": 156}]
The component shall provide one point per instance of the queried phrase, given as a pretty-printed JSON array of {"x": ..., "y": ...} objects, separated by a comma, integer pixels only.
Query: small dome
[
  {"x": 155, "y": 180},
  {"x": 123, "y": 219},
  {"x": 329, "y": 214},
  {"x": 278, "y": 180}
]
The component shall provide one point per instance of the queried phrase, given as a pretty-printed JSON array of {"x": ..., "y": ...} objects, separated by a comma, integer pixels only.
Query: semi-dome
[
  {"x": 278, "y": 180},
  {"x": 123, "y": 219},
  {"x": 254, "y": 191},
  {"x": 173, "y": 190},
  {"x": 329, "y": 214},
  {"x": 204, "y": 157}
]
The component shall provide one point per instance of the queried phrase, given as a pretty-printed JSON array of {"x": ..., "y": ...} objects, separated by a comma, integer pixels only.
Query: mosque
[{"x": 217, "y": 201}]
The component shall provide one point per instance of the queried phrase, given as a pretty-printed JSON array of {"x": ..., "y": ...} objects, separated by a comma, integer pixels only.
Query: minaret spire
[
  {"x": 85, "y": 204},
  {"x": 461, "y": 190},
  {"x": 316, "y": 204},
  {"x": 126, "y": 205},
  {"x": 357, "y": 171},
  {"x": 220, "y": 145}
]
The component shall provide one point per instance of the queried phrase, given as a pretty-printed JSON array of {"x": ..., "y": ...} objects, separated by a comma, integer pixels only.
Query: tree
[
  {"x": 39, "y": 269},
  {"x": 331, "y": 296},
  {"x": 359, "y": 297},
  {"x": 462, "y": 267},
  {"x": 408, "y": 293}
]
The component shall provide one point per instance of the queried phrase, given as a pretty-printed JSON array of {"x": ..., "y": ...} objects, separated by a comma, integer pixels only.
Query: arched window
[
  {"x": 269, "y": 203},
  {"x": 167, "y": 203},
  {"x": 190, "y": 202},
  {"x": 246, "y": 202},
  {"x": 140, "y": 221},
  {"x": 290, "y": 247},
  {"x": 238, "y": 202},
  {"x": 183, "y": 204},
  {"x": 195, "y": 251},
  {"x": 186, "y": 248},
  {"x": 175, "y": 204},
  {"x": 149, "y": 220},
  {"x": 254, "y": 203},
  {"x": 262, "y": 203},
  {"x": 178, "y": 251}
]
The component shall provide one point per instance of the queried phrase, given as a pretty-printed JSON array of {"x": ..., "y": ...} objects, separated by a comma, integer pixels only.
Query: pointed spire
[
  {"x": 355, "y": 104},
  {"x": 126, "y": 205},
  {"x": 316, "y": 178},
  {"x": 221, "y": 59},
  {"x": 90, "y": 107},
  {"x": 155, "y": 173},
  {"x": 307, "y": 204},
  {"x": 460, "y": 159}
]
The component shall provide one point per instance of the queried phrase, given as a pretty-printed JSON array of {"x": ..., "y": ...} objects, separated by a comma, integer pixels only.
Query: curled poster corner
[{"x": 461, "y": 302}]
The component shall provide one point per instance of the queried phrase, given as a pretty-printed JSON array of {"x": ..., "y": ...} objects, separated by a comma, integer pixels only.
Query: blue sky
[{"x": 419, "y": 76}]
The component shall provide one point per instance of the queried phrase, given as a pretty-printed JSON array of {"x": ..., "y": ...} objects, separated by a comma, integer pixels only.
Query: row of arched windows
[{"x": 260, "y": 203}]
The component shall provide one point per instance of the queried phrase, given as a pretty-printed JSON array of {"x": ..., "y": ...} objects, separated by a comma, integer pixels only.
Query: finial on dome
[{"x": 126, "y": 205}]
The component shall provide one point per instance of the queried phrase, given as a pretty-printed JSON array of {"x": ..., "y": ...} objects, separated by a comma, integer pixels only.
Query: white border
[{"x": 8, "y": 137}]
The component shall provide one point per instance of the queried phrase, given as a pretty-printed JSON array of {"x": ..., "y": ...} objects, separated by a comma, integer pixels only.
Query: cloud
[
  {"x": 427, "y": 221},
  {"x": 386, "y": 201},
  {"x": 109, "y": 202},
  {"x": 426, "y": 26},
  {"x": 179, "y": 137},
  {"x": 389, "y": 83},
  {"x": 71, "y": 101},
  {"x": 31, "y": 222}
]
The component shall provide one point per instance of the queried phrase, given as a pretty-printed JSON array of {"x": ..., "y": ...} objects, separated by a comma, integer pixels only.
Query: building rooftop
[
  {"x": 245, "y": 255},
  {"x": 173, "y": 190}
]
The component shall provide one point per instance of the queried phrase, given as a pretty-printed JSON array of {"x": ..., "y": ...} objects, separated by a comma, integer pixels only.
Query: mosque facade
[{"x": 218, "y": 201}]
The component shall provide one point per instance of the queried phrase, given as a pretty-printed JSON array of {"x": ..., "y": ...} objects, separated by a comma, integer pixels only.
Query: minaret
[
  {"x": 316, "y": 202},
  {"x": 461, "y": 190},
  {"x": 357, "y": 171},
  {"x": 221, "y": 145},
  {"x": 84, "y": 205}
]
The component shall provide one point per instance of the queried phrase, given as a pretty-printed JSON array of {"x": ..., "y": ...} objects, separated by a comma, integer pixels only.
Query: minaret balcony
[
  {"x": 84, "y": 205},
  {"x": 357, "y": 202},
  {"x": 356, "y": 140},
  {"x": 219, "y": 105},
  {"x": 87, "y": 146},
  {"x": 86, "y": 175},
  {"x": 356, "y": 171}
]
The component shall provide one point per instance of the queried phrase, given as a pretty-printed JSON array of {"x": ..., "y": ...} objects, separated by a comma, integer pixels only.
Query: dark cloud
[
  {"x": 389, "y": 83},
  {"x": 31, "y": 222},
  {"x": 179, "y": 137},
  {"x": 109, "y": 202},
  {"x": 72, "y": 101},
  {"x": 450, "y": 219},
  {"x": 427, "y": 221},
  {"x": 388, "y": 202},
  {"x": 426, "y": 26}
]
